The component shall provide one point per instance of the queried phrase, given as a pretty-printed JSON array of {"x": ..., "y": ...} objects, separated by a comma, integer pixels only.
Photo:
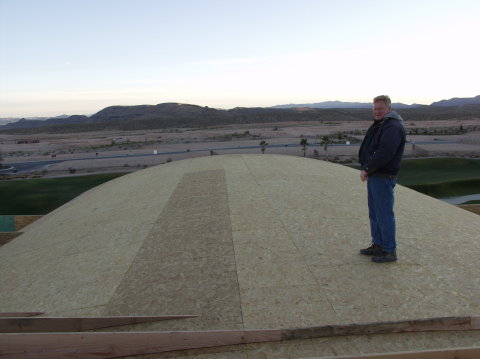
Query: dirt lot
[{"x": 173, "y": 145}]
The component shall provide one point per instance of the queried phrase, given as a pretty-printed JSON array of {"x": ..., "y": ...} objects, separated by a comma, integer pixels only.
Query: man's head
[{"x": 381, "y": 106}]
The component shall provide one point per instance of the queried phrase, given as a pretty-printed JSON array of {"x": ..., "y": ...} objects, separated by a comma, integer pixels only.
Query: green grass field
[
  {"x": 41, "y": 196},
  {"x": 438, "y": 170},
  {"x": 441, "y": 177}
]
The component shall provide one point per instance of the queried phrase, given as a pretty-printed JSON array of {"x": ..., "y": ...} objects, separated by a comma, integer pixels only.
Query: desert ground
[{"x": 433, "y": 138}]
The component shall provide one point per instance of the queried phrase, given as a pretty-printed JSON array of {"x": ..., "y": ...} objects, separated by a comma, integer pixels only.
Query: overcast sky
[{"x": 79, "y": 56}]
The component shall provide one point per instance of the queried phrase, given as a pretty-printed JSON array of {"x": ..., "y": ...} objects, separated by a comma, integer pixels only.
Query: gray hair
[{"x": 383, "y": 98}]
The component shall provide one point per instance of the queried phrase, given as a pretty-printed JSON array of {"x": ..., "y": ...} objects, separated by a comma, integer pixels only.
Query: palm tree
[
  {"x": 304, "y": 144},
  {"x": 263, "y": 144},
  {"x": 324, "y": 142}
]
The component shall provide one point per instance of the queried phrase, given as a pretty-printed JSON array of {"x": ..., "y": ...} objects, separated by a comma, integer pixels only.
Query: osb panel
[
  {"x": 294, "y": 229},
  {"x": 82, "y": 281},
  {"x": 402, "y": 292},
  {"x": 75, "y": 257},
  {"x": 173, "y": 272},
  {"x": 286, "y": 307}
]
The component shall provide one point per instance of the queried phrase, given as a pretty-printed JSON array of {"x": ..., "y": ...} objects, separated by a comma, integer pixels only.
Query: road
[{"x": 31, "y": 166}]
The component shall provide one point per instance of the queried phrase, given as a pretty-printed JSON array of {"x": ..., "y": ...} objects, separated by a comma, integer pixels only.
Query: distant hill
[
  {"x": 341, "y": 104},
  {"x": 458, "y": 101},
  {"x": 24, "y": 123},
  {"x": 4, "y": 121},
  {"x": 177, "y": 115},
  {"x": 171, "y": 115}
]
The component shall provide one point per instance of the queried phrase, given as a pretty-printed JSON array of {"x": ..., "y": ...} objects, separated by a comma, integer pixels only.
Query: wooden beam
[
  {"x": 53, "y": 324},
  {"x": 449, "y": 353},
  {"x": 20, "y": 314},
  {"x": 418, "y": 325},
  {"x": 113, "y": 345},
  {"x": 6, "y": 237}
]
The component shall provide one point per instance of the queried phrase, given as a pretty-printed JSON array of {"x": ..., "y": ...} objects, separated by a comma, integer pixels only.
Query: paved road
[
  {"x": 462, "y": 199},
  {"x": 24, "y": 167}
]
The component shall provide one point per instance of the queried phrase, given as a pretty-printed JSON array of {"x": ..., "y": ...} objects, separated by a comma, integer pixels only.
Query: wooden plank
[
  {"x": 20, "y": 314},
  {"x": 450, "y": 353},
  {"x": 114, "y": 345},
  {"x": 6, "y": 237},
  {"x": 419, "y": 325},
  {"x": 476, "y": 323},
  {"x": 54, "y": 324}
]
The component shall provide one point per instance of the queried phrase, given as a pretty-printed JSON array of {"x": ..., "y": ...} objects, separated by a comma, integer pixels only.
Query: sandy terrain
[{"x": 190, "y": 143}]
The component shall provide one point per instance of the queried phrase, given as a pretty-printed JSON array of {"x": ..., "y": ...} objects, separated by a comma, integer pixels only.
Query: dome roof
[{"x": 242, "y": 241}]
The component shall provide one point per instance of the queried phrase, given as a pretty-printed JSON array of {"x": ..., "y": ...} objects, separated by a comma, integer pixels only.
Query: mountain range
[
  {"x": 169, "y": 115},
  {"x": 341, "y": 104},
  {"x": 456, "y": 101}
]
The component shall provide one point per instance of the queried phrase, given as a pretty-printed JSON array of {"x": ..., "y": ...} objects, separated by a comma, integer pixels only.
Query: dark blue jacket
[{"x": 382, "y": 148}]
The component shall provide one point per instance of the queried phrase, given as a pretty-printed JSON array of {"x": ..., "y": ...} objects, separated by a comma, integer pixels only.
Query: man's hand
[{"x": 363, "y": 176}]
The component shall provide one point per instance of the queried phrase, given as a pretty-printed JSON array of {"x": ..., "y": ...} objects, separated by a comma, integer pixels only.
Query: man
[{"x": 380, "y": 156}]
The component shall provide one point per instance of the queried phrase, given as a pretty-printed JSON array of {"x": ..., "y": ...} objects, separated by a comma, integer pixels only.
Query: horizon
[
  {"x": 193, "y": 104},
  {"x": 217, "y": 108},
  {"x": 77, "y": 58}
]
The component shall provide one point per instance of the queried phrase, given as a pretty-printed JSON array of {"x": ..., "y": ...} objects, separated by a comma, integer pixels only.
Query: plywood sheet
[{"x": 173, "y": 270}]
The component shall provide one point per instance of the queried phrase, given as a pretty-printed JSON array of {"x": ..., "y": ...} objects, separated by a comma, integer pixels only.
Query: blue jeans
[{"x": 380, "y": 208}]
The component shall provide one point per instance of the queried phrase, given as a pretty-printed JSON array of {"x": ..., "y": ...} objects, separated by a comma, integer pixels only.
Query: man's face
[{"x": 380, "y": 109}]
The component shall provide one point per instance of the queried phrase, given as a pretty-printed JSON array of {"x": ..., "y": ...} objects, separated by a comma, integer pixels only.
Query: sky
[{"x": 78, "y": 57}]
